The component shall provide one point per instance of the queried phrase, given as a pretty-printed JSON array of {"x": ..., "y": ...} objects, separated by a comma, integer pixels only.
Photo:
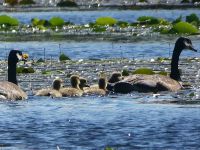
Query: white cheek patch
[{"x": 19, "y": 56}]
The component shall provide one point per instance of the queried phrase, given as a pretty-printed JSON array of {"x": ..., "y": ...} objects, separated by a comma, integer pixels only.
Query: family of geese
[{"x": 118, "y": 84}]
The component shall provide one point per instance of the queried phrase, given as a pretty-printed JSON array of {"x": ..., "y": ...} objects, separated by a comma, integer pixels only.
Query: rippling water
[
  {"x": 121, "y": 122},
  {"x": 84, "y": 17},
  {"x": 98, "y": 49},
  {"x": 132, "y": 121}
]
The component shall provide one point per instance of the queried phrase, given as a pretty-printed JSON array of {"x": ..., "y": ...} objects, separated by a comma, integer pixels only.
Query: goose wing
[
  {"x": 148, "y": 83},
  {"x": 10, "y": 90}
]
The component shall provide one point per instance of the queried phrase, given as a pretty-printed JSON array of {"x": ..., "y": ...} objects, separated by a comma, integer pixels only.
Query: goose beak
[{"x": 192, "y": 48}]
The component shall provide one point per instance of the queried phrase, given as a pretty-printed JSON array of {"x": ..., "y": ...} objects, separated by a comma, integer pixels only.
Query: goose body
[
  {"x": 74, "y": 90},
  {"x": 156, "y": 83},
  {"x": 10, "y": 89},
  {"x": 147, "y": 83}
]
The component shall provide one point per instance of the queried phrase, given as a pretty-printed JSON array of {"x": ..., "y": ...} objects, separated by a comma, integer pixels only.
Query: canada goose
[
  {"x": 53, "y": 92},
  {"x": 155, "y": 83},
  {"x": 101, "y": 90},
  {"x": 10, "y": 89},
  {"x": 74, "y": 90}
]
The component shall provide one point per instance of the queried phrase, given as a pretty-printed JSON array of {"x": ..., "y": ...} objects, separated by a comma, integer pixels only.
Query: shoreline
[{"x": 101, "y": 8}]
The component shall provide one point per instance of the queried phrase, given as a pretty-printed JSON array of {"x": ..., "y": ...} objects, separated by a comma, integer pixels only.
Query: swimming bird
[
  {"x": 10, "y": 89},
  {"x": 156, "y": 83},
  {"x": 100, "y": 90},
  {"x": 53, "y": 92},
  {"x": 74, "y": 90}
]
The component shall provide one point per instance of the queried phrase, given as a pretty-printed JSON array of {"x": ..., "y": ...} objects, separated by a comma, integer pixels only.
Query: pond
[
  {"x": 84, "y": 17},
  {"x": 119, "y": 121},
  {"x": 98, "y": 49},
  {"x": 130, "y": 121}
]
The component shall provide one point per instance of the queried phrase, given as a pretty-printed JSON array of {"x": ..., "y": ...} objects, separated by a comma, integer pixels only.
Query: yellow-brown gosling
[
  {"x": 74, "y": 90},
  {"x": 101, "y": 90},
  {"x": 53, "y": 92},
  {"x": 10, "y": 89}
]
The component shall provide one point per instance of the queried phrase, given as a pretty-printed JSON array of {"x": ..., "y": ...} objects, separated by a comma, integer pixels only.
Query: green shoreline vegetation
[{"x": 103, "y": 25}]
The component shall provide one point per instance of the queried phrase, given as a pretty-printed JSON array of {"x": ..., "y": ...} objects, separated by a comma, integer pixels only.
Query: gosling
[
  {"x": 53, "y": 92},
  {"x": 74, "y": 90},
  {"x": 101, "y": 90}
]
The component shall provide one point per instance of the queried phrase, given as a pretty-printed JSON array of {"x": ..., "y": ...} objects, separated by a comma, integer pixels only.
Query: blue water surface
[{"x": 120, "y": 122}]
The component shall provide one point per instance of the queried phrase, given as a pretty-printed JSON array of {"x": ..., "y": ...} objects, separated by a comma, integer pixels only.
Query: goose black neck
[
  {"x": 175, "y": 74},
  {"x": 12, "y": 72}
]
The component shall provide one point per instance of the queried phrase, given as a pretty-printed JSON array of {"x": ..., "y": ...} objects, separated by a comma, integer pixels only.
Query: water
[
  {"x": 98, "y": 122},
  {"x": 97, "y": 49},
  {"x": 85, "y": 17},
  {"x": 132, "y": 121}
]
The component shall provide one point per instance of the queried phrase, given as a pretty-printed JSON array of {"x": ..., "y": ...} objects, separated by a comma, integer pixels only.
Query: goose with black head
[
  {"x": 10, "y": 89},
  {"x": 156, "y": 83}
]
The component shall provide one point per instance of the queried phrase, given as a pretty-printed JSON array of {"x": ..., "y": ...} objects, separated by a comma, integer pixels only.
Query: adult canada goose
[
  {"x": 74, "y": 90},
  {"x": 10, "y": 89},
  {"x": 54, "y": 91},
  {"x": 155, "y": 83},
  {"x": 101, "y": 90}
]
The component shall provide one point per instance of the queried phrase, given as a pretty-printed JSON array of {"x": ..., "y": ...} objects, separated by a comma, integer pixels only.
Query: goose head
[
  {"x": 57, "y": 84},
  {"x": 75, "y": 81},
  {"x": 115, "y": 77},
  {"x": 184, "y": 43},
  {"x": 102, "y": 83},
  {"x": 16, "y": 55}
]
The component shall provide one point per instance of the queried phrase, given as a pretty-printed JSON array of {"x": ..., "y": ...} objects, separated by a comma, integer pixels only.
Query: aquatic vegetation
[
  {"x": 25, "y": 70},
  {"x": 123, "y": 24},
  {"x": 144, "y": 71},
  {"x": 148, "y": 20},
  {"x": 184, "y": 28},
  {"x": 46, "y": 72},
  {"x": 193, "y": 19},
  {"x": 9, "y": 21},
  {"x": 40, "y": 60},
  {"x": 162, "y": 73},
  {"x": 125, "y": 72},
  {"x": 63, "y": 57},
  {"x": 66, "y": 3},
  {"x": 26, "y": 2},
  {"x": 11, "y": 2},
  {"x": 162, "y": 59},
  {"x": 103, "y": 21},
  {"x": 56, "y": 21},
  {"x": 177, "y": 20},
  {"x": 99, "y": 29}
]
